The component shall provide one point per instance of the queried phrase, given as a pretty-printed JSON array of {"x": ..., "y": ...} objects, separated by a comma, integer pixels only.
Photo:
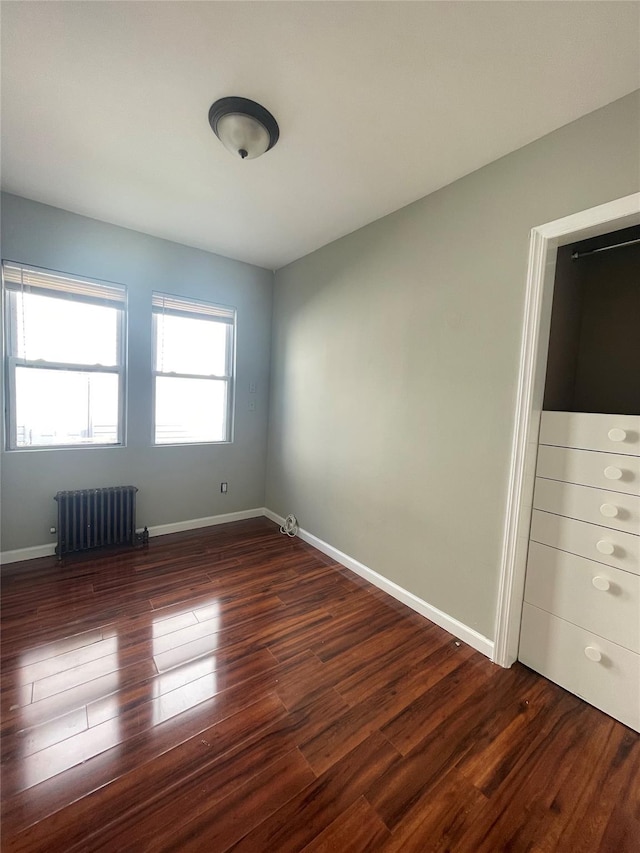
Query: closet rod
[{"x": 576, "y": 255}]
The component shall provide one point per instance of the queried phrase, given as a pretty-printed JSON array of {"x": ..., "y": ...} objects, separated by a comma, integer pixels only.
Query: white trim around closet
[{"x": 543, "y": 246}]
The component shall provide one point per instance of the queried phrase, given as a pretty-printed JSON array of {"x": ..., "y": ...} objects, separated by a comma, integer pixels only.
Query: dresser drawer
[
  {"x": 608, "y": 678},
  {"x": 591, "y": 431},
  {"x": 608, "y": 509},
  {"x": 600, "y": 599},
  {"x": 587, "y": 540},
  {"x": 590, "y": 468}
]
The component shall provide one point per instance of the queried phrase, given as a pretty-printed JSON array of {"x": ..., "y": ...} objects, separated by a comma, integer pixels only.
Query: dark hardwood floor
[{"x": 232, "y": 688}]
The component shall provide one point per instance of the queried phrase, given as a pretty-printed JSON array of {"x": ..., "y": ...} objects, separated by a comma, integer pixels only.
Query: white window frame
[
  {"x": 214, "y": 313},
  {"x": 12, "y": 361}
]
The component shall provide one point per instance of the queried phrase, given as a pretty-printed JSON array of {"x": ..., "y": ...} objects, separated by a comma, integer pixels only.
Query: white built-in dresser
[{"x": 581, "y": 613}]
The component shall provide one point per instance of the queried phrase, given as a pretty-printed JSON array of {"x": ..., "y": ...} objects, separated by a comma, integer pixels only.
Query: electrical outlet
[
  {"x": 223, "y": 488},
  {"x": 252, "y": 387},
  {"x": 52, "y": 530},
  {"x": 252, "y": 405}
]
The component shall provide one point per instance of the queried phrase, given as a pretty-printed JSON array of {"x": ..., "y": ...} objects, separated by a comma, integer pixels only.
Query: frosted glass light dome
[
  {"x": 243, "y": 135},
  {"x": 245, "y": 128}
]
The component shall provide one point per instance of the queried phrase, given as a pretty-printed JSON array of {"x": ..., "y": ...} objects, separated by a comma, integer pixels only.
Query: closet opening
[
  {"x": 593, "y": 362},
  {"x": 581, "y": 603},
  {"x": 580, "y": 374}
]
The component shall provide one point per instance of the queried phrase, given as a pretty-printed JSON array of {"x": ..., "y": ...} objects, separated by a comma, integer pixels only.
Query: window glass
[
  {"x": 194, "y": 369},
  {"x": 64, "y": 359},
  {"x": 61, "y": 330},
  {"x": 61, "y": 407},
  {"x": 189, "y": 345},
  {"x": 190, "y": 410}
]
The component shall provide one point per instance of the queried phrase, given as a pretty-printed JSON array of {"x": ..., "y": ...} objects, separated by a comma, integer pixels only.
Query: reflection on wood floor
[{"x": 232, "y": 688}]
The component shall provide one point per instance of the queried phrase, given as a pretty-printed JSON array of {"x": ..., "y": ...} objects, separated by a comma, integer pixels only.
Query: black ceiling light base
[{"x": 244, "y": 127}]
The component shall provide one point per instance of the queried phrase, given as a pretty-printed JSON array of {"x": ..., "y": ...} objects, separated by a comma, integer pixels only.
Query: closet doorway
[{"x": 545, "y": 248}]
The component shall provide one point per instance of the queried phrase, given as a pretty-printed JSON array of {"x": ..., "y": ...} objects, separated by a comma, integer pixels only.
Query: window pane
[
  {"x": 65, "y": 407},
  {"x": 187, "y": 345},
  {"x": 190, "y": 410},
  {"x": 65, "y": 331}
]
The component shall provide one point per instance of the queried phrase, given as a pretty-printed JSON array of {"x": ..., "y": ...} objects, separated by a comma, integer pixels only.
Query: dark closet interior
[{"x": 594, "y": 347}]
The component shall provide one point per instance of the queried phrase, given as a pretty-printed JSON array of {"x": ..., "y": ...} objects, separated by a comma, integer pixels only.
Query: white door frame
[{"x": 543, "y": 247}]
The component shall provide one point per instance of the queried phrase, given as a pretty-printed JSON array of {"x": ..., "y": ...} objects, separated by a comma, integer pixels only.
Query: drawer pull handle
[
  {"x": 612, "y": 473},
  {"x": 605, "y": 547},
  {"x": 601, "y": 583},
  {"x": 593, "y": 654},
  {"x": 609, "y": 510},
  {"x": 617, "y": 434}
]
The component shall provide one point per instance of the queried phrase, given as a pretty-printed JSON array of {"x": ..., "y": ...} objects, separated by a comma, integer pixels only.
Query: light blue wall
[{"x": 175, "y": 483}]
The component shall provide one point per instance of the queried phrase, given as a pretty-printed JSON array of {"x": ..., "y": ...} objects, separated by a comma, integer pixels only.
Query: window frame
[
  {"x": 229, "y": 377},
  {"x": 13, "y": 361}
]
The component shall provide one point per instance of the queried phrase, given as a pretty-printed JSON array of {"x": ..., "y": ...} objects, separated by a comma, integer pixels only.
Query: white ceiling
[{"x": 104, "y": 106}]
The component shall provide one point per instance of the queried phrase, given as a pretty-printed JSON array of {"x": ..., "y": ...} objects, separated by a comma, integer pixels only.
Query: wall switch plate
[
  {"x": 252, "y": 387},
  {"x": 223, "y": 488},
  {"x": 52, "y": 530},
  {"x": 252, "y": 405}
]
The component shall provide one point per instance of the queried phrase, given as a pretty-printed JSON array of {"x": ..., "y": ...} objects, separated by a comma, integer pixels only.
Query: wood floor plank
[
  {"x": 377, "y": 675},
  {"x": 374, "y": 712},
  {"x": 456, "y": 684},
  {"x": 33, "y": 654},
  {"x": 503, "y": 744},
  {"x": 35, "y": 804},
  {"x": 220, "y": 826},
  {"x": 438, "y": 818},
  {"x": 121, "y": 802},
  {"x": 75, "y": 697},
  {"x": 232, "y": 688},
  {"x": 21, "y": 744},
  {"x": 531, "y": 787},
  {"x": 578, "y": 816},
  {"x": 304, "y": 817},
  {"x": 357, "y": 828},
  {"x": 473, "y": 723}
]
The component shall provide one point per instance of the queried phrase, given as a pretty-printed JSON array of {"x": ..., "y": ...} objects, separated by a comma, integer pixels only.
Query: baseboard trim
[
  {"x": 32, "y": 553},
  {"x": 272, "y": 516},
  {"x": 439, "y": 617},
  {"x": 21, "y": 554},
  {"x": 207, "y": 521}
]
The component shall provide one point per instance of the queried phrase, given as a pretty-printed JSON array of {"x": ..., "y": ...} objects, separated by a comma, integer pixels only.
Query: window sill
[
  {"x": 34, "y": 447},
  {"x": 193, "y": 444}
]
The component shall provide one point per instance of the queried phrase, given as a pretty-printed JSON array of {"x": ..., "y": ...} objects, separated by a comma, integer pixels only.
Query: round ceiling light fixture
[{"x": 244, "y": 127}]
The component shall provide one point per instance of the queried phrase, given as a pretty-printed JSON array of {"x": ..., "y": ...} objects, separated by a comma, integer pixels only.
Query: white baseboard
[
  {"x": 273, "y": 517},
  {"x": 453, "y": 626},
  {"x": 32, "y": 553},
  {"x": 207, "y": 521},
  {"x": 158, "y": 530}
]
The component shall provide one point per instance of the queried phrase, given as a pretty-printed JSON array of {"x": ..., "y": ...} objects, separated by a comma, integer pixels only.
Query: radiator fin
[{"x": 95, "y": 518}]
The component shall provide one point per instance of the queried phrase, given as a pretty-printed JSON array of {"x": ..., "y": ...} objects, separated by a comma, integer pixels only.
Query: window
[
  {"x": 193, "y": 369},
  {"x": 64, "y": 359}
]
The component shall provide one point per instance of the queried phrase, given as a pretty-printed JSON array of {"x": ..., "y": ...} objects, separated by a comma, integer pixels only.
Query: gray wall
[
  {"x": 395, "y": 358},
  {"x": 176, "y": 483}
]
